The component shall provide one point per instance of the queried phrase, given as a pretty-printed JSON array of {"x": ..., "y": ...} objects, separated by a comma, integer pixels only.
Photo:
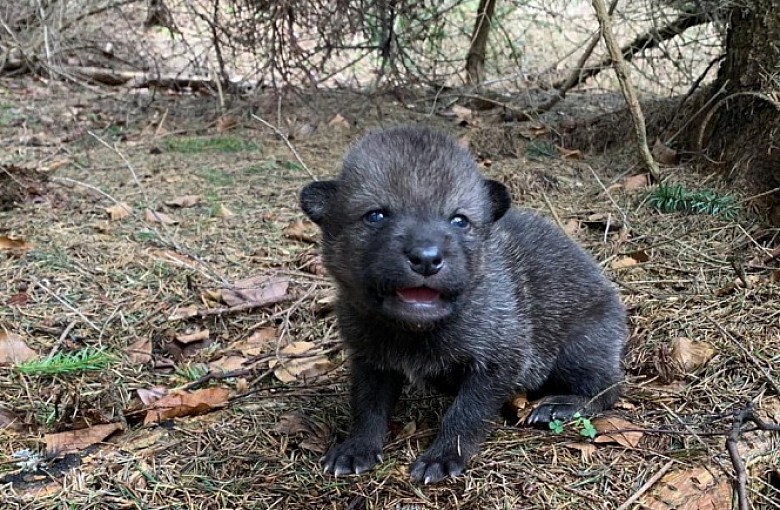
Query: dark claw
[
  {"x": 351, "y": 458},
  {"x": 434, "y": 468},
  {"x": 551, "y": 409}
]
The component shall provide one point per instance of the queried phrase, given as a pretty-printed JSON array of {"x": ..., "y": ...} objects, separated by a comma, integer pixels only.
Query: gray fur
[{"x": 521, "y": 308}]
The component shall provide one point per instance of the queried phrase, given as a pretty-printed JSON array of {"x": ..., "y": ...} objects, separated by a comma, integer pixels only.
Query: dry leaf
[
  {"x": 623, "y": 262},
  {"x": 184, "y": 201},
  {"x": 257, "y": 343},
  {"x": 158, "y": 217},
  {"x": 151, "y": 395},
  {"x": 18, "y": 299},
  {"x": 689, "y": 489},
  {"x": 119, "y": 211},
  {"x": 572, "y": 227},
  {"x": 300, "y": 230},
  {"x": 639, "y": 255},
  {"x": 586, "y": 450},
  {"x": 636, "y": 182},
  {"x": 8, "y": 243},
  {"x": 175, "y": 258},
  {"x": 565, "y": 153},
  {"x": 13, "y": 350},
  {"x": 611, "y": 430},
  {"x": 186, "y": 404},
  {"x": 257, "y": 289},
  {"x": 304, "y": 367},
  {"x": 338, "y": 121},
  {"x": 10, "y": 422},
  {"x": 691, "y": 355},
  {"x": 221, "y": 211},
  {"x": 228, "y": 363},
  {"x": 534, "y": 131},
  {"x": 140, "y": 351},
  {"x": 76, "y": 440},
  {"x": 664, "y": 154},
  {"x": 197, "y": 336},
  {"x": 184, "y": 312},
  {"x": 315, "y": 433},
  {"x": 226, "y": 122},
  {"x": 462, "y": 114}
]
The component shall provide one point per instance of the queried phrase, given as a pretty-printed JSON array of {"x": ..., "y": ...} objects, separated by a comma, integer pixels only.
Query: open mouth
[{"x": 418, "y": 295}]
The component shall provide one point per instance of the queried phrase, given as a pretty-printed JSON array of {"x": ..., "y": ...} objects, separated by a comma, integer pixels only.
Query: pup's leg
[
  {"x": 587, "y": 374},
  {"x": 463, "y": 427},
  {"x": 373, "y": 396}
]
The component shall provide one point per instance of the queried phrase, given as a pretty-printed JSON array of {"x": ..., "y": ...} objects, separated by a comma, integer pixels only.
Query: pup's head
[{"x": 405, "y": 223}]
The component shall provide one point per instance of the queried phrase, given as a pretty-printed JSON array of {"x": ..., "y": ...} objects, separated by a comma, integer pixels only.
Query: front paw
[
  {"x": 351, "y": 457},
  {"x": 556, "y": 407},
  {"x": 436, "y": 464}
]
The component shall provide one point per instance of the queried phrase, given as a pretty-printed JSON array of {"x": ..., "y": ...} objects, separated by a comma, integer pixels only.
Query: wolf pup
[{"x": 441, "y": 282}]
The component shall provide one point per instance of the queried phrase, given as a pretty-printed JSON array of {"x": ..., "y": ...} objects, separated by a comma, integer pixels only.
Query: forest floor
[{"x": 127, "y": 224}]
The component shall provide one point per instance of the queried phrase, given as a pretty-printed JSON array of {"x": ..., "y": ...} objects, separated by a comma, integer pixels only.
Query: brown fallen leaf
[
  {"x": 689, "y": 489},
  {"x": 119, "y": 211},
  {"x": 312, "y": 263},
  {"x": 301, "y": 366},
  {"x": 636, "y": 182},
  {"x": 316, "y": 434},
  {"x": 228, "y": 364},
  {"x": 565, "y": 153},
  {"x": 184, "y": 201},
  {"x": 338, "y": 121},
  {"x": 257, "y": 343},
  {"x": 186, "y": 404},
  {"x": 9, "y": 243},
  {"x": 18, "y": 299},
  {"x": 221, "y": 211},
  {"x": 462, "y": 114},
  {"x": 586, "y": 450},
  {"x": 572, "y": 227},
  {"x": 150, "y": 395},
  {"x": 690, "y": 354},
  {"x": 10, "y": 422},
  {"x": 257, "y": 289},
  {"x": 197, "y": 336},
  {"x": 300, "y": 230},
  {"x": 158, "y": 217},
  {"x": 140, "y": 351},
  {"x": 76, "y": 440},
  {"x": 226, "y": 122},
  {"x": 175, "y": 258},
  {"x": 612, "y": 429},
  {"x": 623, "y": 262},
  {"x": 13, "y": 350},
  {"x": 640, "y": 255},
  {"x": 664, "y": 154},
  {"x": 184, "y": 312}
]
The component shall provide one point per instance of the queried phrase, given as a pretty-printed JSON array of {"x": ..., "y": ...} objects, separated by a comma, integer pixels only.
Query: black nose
[{"x": 426, "y": 260}]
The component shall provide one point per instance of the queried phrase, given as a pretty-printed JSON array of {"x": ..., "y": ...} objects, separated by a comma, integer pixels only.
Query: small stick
[
  {"x": 644, "y": 488},
  {"x": 751, "y": 357},
  {"x": 62, "y": 338},
  {"x": 67, "y": 305},
  {"x": 627, "y": 88},
  {"x": 287, "y": 141}
]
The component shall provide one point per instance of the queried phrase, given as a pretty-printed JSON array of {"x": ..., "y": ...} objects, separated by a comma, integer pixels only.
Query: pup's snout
[{"x": 425, "y": 259}]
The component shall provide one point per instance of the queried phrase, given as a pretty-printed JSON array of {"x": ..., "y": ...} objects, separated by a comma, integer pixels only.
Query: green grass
[
  {"x": 222, "y": 144},
  {"x": 540, "y": 149},
  {"x": 90, "y": 358},
  {"x": 217, "y": 177},
  {"x": 192, "y": 371},
  {"x": 670, "y": 198}
]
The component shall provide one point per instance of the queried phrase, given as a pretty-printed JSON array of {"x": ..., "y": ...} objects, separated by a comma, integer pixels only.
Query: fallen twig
[
  {"x": 647, "y": 485},
  {"x": 627, "y": 87}
]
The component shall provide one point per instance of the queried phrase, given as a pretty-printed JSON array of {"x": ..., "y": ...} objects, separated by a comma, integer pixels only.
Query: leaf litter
[{"x": 117, "y": 282}]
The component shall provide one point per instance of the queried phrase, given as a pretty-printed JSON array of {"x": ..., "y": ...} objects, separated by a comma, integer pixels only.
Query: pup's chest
[{"x": 423, "y": 365}]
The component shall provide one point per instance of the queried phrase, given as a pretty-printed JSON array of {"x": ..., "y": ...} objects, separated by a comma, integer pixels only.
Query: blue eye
[
  {"x": 459, "y": 221},
  {"x": 374, "y": 217}
]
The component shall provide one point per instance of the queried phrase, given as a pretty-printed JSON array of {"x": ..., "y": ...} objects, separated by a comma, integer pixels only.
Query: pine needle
[
  {"x": 88, "y": 359},
  {"x": 676, "y": 198}
]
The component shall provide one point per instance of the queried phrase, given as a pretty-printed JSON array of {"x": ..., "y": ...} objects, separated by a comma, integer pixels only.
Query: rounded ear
[
  {"x": 500, "y": 201},
  {"x": 315, "y": 197}
]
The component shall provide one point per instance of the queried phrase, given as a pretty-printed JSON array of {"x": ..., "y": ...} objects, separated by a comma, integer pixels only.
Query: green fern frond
[
  {"x": 90, "y": 358},
  {"x": 676, "y": 198}
]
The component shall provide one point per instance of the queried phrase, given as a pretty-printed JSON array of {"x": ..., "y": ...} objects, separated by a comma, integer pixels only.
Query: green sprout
[
  {"x": 676, "y": 198},
  {"x": 88, "y": 359}
]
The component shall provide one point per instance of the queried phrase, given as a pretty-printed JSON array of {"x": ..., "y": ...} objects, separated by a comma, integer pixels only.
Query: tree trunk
[
  {"x": 741, "y": 131},
  {"x": 475, "y": 60}
]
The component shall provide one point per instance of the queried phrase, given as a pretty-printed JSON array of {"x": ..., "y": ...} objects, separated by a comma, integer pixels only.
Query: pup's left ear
[
  {"x": 500, "y": 201},
  {"x": 315, "y": 198}
]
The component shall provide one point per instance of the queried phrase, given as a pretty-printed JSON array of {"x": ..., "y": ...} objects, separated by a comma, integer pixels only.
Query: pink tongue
[{"x": 418, "y": 295}]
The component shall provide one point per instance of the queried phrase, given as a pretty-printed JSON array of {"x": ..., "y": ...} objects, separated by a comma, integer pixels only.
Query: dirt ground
[{"x": 75, "y": 271}]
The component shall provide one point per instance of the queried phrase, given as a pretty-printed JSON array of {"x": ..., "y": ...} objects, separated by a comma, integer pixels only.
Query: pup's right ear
[{"x": 315, "y": 198}]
